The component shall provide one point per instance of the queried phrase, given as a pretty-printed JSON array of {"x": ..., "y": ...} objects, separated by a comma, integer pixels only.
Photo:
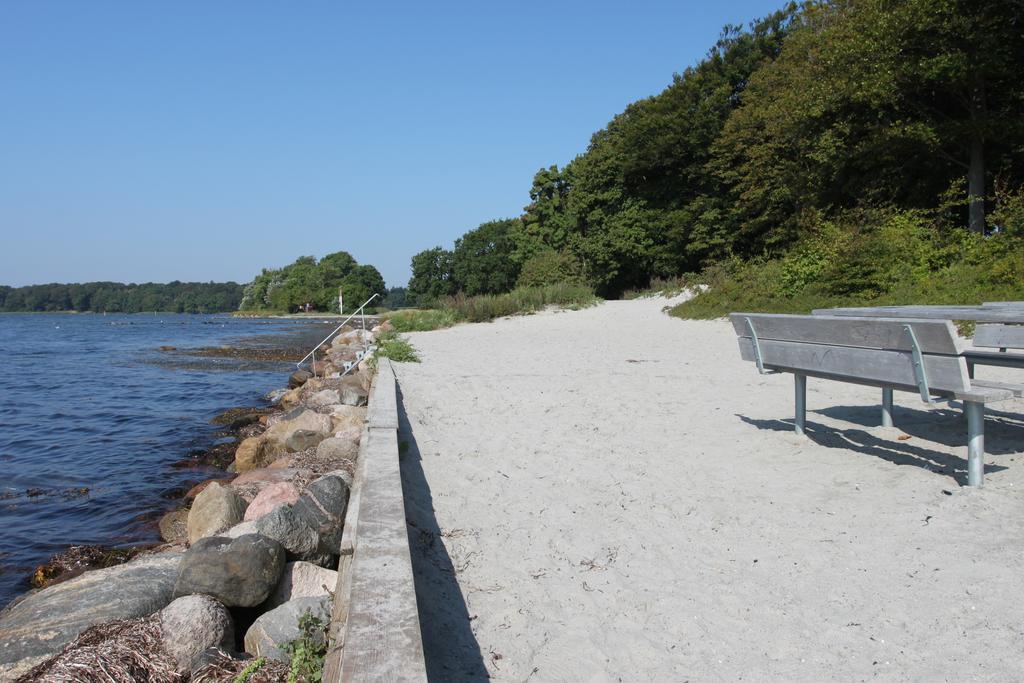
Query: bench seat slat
[
  {"x": 1006, "y": 360},
  {"x": 1017, "y": 390},
  {"x": 933, "y": 336}
]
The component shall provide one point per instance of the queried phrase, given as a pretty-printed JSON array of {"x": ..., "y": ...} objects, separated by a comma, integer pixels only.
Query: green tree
[
  {"x": 483, "y": 261},
  {"x": 431, "y": 276}
]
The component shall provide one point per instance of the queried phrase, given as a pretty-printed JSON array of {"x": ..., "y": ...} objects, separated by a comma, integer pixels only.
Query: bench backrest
[
  {"x": 875, "y": 351},
  {"x": 999, "y": 336},
  {"x": 1004, "y": 304}
]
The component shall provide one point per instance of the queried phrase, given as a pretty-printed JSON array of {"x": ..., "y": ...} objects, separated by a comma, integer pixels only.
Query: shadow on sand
[
  {"x": 449, "y": 646},
  {"x": 1004, "y": 432}
]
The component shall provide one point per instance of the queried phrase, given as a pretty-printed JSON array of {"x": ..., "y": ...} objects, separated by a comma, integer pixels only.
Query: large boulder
[
  {"x": 352, "y": 433},
  {"x": 323, "y": 398},
  {"x": 42, "y": 622},
  {"x": 240, "y": 572},
  {"x": 322, "y": 507},
  {"x": 303, "y": 439},
  {"x": 190, "y": 625},
  {"x": 354, "y": 396},
  {"x": 278, "y": 493},
  {"x": 174, "y": 526},
  {"x": 276, "y": 438},
  {"x": 291, "y": 398},
  {"x": 337, "y": 448},
  {"x": 302, "y": 580},
  {"x": 249, "y": 454},
  {"x": 298, "y": 378},
  {"x": 242, "y": 529},
  {"x": 215, "y": 509},
  {"x": 345, "y": 416},
  {"x": 268, "y": 634},
  {"x": 291, "y": 531}
]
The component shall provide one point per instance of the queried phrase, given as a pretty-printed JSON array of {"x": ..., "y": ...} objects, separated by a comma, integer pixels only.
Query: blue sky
[{"x": 153, "y": 141}]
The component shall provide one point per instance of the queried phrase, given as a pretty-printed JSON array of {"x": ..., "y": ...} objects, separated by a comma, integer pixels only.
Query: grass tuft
[
  {"x": 487, "y": 307},
  {"x": 396, "y": 347}
]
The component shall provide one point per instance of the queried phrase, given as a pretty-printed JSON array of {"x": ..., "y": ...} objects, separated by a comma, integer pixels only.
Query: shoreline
[
  {"x": 303, "y": 447},
  {"x": 209, "y": 461}
]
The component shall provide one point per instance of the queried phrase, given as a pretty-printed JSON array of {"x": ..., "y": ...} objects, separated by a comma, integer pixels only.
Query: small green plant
[
  {"x": 253, "y": 666},
  {"x": 308, "y": 651},
  {"x": 397, "y": 348}
]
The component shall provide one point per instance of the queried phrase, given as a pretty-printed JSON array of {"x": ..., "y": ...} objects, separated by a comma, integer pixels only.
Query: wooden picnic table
[{"x": 1006, "y": 312}]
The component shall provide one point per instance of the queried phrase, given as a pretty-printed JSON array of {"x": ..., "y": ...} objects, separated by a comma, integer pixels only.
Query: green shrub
[
  {"x": 397, "y": 348},
  {"x": 308, "y": 651},
  {"x": 550, "y": 267},
  {"x": 903, "y": 257}
]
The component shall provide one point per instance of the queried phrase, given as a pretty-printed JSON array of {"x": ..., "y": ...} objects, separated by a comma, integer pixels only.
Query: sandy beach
[{"x": 612, "y": 494}]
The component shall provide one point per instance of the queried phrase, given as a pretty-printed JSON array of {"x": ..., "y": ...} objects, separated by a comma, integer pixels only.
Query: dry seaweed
[
  {"x": 77, "y": 559},
  {"x": 226, "y": 669},
  {"x": 123, "y": 651}
]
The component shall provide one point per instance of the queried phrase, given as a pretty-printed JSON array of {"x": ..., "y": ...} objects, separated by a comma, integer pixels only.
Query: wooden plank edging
[{"x": 375, "y": 620}]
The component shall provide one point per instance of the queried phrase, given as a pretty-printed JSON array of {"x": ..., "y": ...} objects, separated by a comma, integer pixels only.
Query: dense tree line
[
  {"x": 308, "y": 281},
  {"x": 836, "y": 120},
  {"x": 115, "y": 297}
]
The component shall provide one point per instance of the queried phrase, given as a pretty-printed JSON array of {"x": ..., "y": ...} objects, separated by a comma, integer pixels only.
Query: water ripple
[{"x": 95, "y": 405}]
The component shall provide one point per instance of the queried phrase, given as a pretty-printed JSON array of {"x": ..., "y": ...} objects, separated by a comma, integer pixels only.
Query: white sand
[{"x": 620, "y": 497}]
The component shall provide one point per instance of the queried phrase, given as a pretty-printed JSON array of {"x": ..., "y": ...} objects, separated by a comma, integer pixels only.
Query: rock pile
[{"x": 262, "y": 547}]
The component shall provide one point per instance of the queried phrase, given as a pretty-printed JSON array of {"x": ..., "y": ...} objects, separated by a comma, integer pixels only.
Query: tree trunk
[
  {"x": 976, "y": 170},
  {"x": 976, "y": 186}
]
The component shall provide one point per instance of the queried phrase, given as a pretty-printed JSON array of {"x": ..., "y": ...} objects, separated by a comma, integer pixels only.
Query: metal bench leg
[
  {"x": 975, "y": 442},
  {"x": 887, "y": 407},
  {"x": 801, "y": 402},
  {"x": 970, "y": 370}
]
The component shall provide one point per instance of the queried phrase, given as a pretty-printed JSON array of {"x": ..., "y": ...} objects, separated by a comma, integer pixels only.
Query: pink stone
[{"x": 279, "y": 493}]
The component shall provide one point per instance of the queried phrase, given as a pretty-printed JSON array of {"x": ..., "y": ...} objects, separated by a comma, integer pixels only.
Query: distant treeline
[
  {"x": 861, "y": 147},
  {"x": 116, "y": 297}
]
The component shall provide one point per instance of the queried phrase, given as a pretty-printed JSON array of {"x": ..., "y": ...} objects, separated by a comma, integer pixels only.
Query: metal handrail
[{"x": 312, "y": 354}]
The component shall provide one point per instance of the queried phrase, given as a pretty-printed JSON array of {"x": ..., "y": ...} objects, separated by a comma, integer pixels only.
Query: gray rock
[
  {"x": 337, "y": 449},
  {"x": 192, "y": 624},
  {"x": 44, "y": 621},
  {"x": 302, "y": 439},
  {"x": 280, "y": 625},
  {"x": 174, "y": 526},
  {"x": 354, "y": 396},
  {"x": 276, "y": 438},
  {"x": 298, "y": 378},
  {"x": 285, "y": 527},
  {"x": 275, "y": 395},
  {"x": 215, "y": 508},
  {"x": 323, "y": 398},
  {"x": 240, "y": 572},
  {"x": 240, "y": 530},
  {"x": 15, "y": 670},
  {"x": 322, "y": 508},
  {"x": 302, "y": 580}
]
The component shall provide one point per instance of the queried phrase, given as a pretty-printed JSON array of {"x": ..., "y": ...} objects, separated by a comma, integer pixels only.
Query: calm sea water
[{"x": 88, "y": 401}]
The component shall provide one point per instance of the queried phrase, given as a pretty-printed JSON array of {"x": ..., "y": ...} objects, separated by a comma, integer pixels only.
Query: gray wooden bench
[
  {"x": 919, "y": 356},
  {"x": 1005, "y": 338}
]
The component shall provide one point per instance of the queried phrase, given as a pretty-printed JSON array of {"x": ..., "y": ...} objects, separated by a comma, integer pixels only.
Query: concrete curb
[{"x": 375, "y": 627}]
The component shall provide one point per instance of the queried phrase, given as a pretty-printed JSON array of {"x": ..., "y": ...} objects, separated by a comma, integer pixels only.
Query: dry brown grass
[{"x": 114, "y": 652}]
